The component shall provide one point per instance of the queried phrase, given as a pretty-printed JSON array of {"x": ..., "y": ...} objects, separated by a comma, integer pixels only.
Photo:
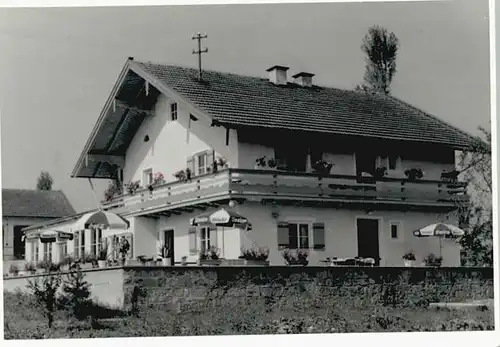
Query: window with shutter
[
  {"x": 283, "y": 235},
  {"x": 193, "y": 249},
  {"x": 210, "y": 160},
  {"x": 319, "y": 236}
]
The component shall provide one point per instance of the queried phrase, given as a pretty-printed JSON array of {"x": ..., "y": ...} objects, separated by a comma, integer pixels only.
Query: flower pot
[
  {"x": 25, "y": 273},
  {"x": 256, "y": 262},
  {"x": 86, "y": 266},
  {"x": 101, "y": 263},
  {"x": 40, "y": 271},
  {"x": 210, "y": 262},
  {"x": 166, "y": 262},
  {"x": 65, "y": 267},
  {"x": 409, "y": 263}
]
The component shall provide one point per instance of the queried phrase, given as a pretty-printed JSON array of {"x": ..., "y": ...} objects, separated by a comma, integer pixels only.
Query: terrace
[{"x": 289, "y": 187}]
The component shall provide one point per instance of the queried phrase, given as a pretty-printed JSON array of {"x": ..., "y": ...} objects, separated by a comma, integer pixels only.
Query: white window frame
[
  {"x": 174, "y": 111},
  {"x": 95, "y": 241},
  {"x": 298, "y": 222},
  {"x": 35, "y": 251},
  {"x": 47, "y": 251},
  {"x": 147, "y": 177},
  {"x": 204, "y": 239},
  {"x": 399, "y": 225},
  {"x": 200, "y": 170},
  {"x": 384, "y": 161},
  {"x": 78, "y": 245}
]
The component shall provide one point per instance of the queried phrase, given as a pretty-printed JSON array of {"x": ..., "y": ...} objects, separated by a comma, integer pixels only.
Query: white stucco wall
[
  {"x": 340, "y": 228},
  {"x": 168, "y": 149},
  {"x": 8, "y": 232}
]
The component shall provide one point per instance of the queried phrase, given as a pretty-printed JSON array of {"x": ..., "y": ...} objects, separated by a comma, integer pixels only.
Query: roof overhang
[{"x": 130, "y": 102}]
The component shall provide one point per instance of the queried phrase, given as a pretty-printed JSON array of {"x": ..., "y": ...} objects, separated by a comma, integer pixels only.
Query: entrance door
[
  {"x": 368, "y": 243},
  {"x": 19, "y": 244},
  {"x": 168, "y": 237}
]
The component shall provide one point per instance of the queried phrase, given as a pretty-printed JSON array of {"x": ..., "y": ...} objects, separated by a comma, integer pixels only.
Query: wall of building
[
  {"x": 340, "y": 234},
  {"x": 106, "y": 284},
  {"x": 8, "y": 233},
  {"x": 345, "y": 163},
  {"x": 168, "y": 147}
]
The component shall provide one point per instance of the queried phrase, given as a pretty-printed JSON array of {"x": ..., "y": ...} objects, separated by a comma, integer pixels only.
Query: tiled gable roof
[
  {"x": 236, "y": 100},
  {"x": 35, "y": 203}
]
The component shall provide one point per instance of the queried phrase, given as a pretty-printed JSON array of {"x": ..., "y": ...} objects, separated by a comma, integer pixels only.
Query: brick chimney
[
  {"x": 304, "y": 79},
  {"x": 277, "y": 75}
]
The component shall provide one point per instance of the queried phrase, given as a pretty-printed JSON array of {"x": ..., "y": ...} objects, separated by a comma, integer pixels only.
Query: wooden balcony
[{"x": 266, "y": 185}]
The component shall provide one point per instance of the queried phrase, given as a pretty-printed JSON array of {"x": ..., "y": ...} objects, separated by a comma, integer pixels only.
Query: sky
[{"x": 59, "y": 65}]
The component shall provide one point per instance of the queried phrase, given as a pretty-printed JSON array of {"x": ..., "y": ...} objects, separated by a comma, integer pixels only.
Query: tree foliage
[
  {"x": 75, "y": 298},
  {"x": 45, "y": 293},
  {"x": 380, "y": 48},
  {"x": 476, "y": 216},
  {"x": 44, "y": 181}
]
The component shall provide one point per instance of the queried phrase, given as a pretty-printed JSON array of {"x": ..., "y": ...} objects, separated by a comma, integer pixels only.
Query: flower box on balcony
[
  {"x": 210, "y": 262},
  {"x": 256, "y": 262}
]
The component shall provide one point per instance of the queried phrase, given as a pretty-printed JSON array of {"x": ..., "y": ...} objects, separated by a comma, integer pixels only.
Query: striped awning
[{"x": 48, "y": 236}]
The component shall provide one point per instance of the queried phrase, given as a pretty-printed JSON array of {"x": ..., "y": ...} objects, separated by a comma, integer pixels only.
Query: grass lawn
[{"x": 24, "y": 321}]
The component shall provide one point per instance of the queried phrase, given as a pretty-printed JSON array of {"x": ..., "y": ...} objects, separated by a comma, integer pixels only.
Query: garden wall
[{"x": 178, "y": 287}]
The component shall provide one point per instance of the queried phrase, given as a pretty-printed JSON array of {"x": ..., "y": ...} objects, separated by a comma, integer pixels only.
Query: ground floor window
[
  {"x": 47, "y": 251},
  {"x": 301, "y": 235},
  {"x": 79, "y": 244},
  {"x": 204, "y": 239},
  {"x": 95, "y": 241},
  {"x": 35, "y": 251},
  {"x": 19, "y": 245}
]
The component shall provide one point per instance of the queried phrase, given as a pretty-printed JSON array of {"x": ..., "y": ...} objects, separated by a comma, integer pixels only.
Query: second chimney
[
  {"x": 304, "y": 79},
  {"x": 277, "y": 75}
]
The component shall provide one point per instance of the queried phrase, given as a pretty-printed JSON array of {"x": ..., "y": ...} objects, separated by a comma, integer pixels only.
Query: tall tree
[
  {"x": 381, "y": 49},
  {"x": 476, "y": 215},
  {"x": 44, "y": 181}
]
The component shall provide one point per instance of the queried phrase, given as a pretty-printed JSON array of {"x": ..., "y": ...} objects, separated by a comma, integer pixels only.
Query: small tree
[
  {"x": 381, "y": 49},
  {"x": 45, "y": 292},
  {"x": 44, "y": 181},
  {"x": 476, "y": 216},
  {"x": 76, "y": 295}
]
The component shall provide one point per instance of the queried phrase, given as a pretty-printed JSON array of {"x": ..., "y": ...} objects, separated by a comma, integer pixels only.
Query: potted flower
[
  {"x": 255, "y": 256},
  {"x": 124, "y": 248},
  {"x": 210, "y": 257},
  {"x": 260, "y": 163},
  {"x": 114, "y": 189},
  {"x": 432, "y": 260},
  {"x": 272, "y": 163},
  {"x": 219, "y": 163},
  {"x": 414, "y": 174},
  {"x": 29, "y": 269},
  {"x": 180, "y": 175},
  {"x": 102, "y": 258},
  {"x": 14, "y": 269},
  {"x": 43, "y": 266},
  {"x": 158, "y": 179},
  {"x": 166, "y": 256},
  {"x": 295, "y": 258},
  {"x": 86, "y": 261},
  {"x": 322, "y": 167},
  {"x": 66, "y": 263},
  {"x": 132, "y": 187},
  {"x": 184, "y": 261},
  {"x": 409, "y": 259},
  {"x": 380, "y": 172}
]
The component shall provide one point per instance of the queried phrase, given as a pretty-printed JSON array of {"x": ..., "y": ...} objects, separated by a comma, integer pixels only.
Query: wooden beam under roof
[
  {"x": 124, "y": 105},
  {"x": 107, "y": 158}
]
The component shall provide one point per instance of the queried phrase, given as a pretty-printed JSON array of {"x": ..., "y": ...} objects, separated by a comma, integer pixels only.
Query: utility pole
[{"x": 199, "y": 37}]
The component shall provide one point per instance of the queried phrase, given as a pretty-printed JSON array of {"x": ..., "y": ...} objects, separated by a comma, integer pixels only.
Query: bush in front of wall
[{"x": 14, "y": 269}]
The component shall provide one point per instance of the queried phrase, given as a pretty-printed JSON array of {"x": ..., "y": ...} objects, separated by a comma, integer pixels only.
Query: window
[
  {"x": 173, "y": 111},
  {"x": 395, "y": 226},
  {"x": 35, "y": 251},
  {"x": 79, "y": 244},
  {"x": 201, "y": 163},
  {"x": 95, "y": 241},
  {"x": 64, "y": 249},
  {"x": 391, "y": 162},
  {"x": 19, "y": 242},
  {"x": 147, "y": 177},
  {"x": 296, "y": 235},
  {"x": 47, "y": 251},
  {"x": 204, "y": 239}
]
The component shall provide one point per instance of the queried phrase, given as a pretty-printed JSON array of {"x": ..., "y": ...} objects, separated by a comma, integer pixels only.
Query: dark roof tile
[{"x": 35, "y": 203}]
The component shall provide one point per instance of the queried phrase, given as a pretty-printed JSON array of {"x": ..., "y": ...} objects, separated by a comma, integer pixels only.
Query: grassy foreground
[{"x": 23, "y": 320}]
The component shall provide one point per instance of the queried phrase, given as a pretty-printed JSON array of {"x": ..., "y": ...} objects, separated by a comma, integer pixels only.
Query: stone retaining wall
[{"x": 177, "y": 287}]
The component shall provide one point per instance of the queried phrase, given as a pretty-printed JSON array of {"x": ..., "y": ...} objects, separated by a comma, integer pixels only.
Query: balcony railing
[{"x": 267, "y": 184}]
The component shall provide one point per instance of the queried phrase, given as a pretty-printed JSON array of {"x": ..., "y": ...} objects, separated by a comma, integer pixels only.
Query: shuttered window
[
  {"x": 283, "y": 235},
  {"x": 319, "y": 236},
  {"x": 193, "y": 249},
  {"x": 297, "y": 236}
]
